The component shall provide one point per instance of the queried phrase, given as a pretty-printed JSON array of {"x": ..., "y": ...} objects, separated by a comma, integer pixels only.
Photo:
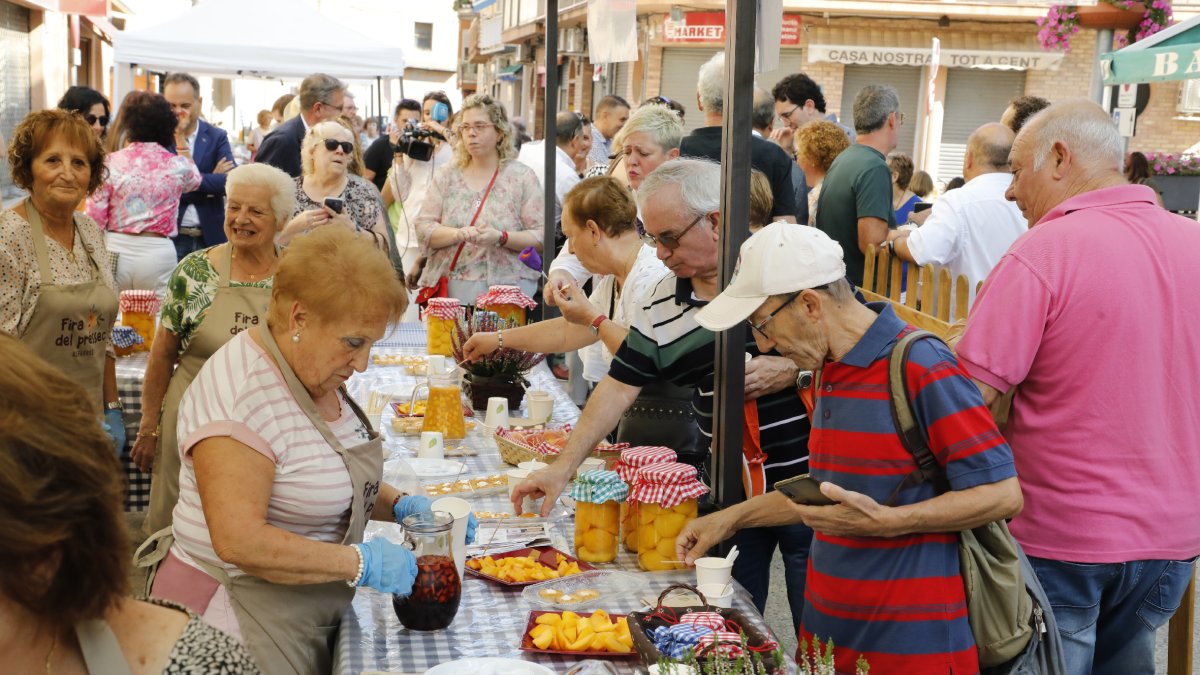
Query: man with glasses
[
  {"x": 855, "y": 206},
  {"x": 679, "y": 203},
  {"x": 798, "y": 101},
  {"x": 883, "y": 577},
  {"x": 322, "y": 97}
]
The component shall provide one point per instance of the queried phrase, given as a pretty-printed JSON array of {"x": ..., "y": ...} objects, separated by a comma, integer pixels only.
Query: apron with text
[
  {"x": 71, "y": 324},
  {"x": 233, "y": 310}
]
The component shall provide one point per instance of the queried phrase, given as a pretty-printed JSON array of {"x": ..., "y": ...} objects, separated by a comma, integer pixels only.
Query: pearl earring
[{"x": 296, "y": 337}]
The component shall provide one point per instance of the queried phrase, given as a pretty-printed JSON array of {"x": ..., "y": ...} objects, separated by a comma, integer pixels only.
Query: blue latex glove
[
  {"x": 114, "y": 425},
  {"x": 387, "y": 567},
  {"x": 410, "y": 504},
  {"x": 472, "y": 523}
]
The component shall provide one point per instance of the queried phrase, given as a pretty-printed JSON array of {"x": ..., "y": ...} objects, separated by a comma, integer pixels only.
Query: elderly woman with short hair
[
  {"x": 327, "y": 157},
  {"x": 281, "y": 469},
  {"x": 817, "y": 144},
  {"x": 212, "y": 296},
  {"x": 481, "y": 211}
]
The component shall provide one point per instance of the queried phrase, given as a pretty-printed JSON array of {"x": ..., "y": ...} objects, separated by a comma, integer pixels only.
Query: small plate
[
  {"x": 435, "y": 468},
  {"x": 489, "y": 665},
  {"x": 548, "y": 557}
]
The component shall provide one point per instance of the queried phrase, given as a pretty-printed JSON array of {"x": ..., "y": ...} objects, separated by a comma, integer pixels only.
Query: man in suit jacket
[
  {"x": 322, "y": 97},
  {"x": 202, "y": 211}
]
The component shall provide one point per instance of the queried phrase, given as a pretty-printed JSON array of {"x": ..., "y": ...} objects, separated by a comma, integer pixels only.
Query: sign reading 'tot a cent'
[{"x": 710, "y": 27}]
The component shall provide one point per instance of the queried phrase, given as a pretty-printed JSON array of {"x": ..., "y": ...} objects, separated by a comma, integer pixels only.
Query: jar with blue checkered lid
[{"x": 598, "y": 496}]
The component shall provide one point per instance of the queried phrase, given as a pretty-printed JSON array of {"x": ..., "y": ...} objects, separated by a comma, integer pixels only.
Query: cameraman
[{"x": 377, "y": 158}]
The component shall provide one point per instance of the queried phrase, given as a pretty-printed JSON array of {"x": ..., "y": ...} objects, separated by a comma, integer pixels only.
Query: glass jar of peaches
[
  {"x": 507, "y": 302},
  {"x": 665, "y": 497},
  {"x": 444, "y": 410},
  {"x": 139, "y": 311},
  {"x": 631, "y": 460},
  {"x": 598, "y": 496},
  {"x": 440, "y": 317}
]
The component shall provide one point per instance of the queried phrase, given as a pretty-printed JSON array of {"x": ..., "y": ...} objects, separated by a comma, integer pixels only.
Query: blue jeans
[
  {"x": 185, "y": 245},
  {"x": 752, "y": 569},
  {"x": 1107, "y": 613}
]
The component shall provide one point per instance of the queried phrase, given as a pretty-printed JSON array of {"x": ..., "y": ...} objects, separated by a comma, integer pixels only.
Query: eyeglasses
[
  {"x": 92, "y": 119},
  {"x": 472, "y": 129},
  {"x": 761, "y": 327},
  {"x": 788, "y": 114},
  {"x": 332, "y": 144},
  {"x": 339, "y": 108},
  {"x": 670, "y": 241}
]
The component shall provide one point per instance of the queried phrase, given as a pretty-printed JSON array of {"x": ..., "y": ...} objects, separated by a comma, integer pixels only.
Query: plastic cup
[
  {"x": 460, "y": 509},
  {"x": 713, "y": 571},
  {"x": 539, "y": 405},
  {"x": 515, "y": 476},
  {"x": 431, "y": 446},
  {"x": 497, "y": 412},
  {"x": 713, "y": 592}
]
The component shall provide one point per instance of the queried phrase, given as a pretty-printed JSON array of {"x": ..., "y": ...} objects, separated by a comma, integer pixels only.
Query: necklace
[
  {"x": 50, "y": 654},
  {"x": 253, "y": 276}
]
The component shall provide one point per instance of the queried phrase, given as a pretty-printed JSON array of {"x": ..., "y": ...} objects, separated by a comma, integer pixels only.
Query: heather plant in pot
[{"x": 501, "y": 373}]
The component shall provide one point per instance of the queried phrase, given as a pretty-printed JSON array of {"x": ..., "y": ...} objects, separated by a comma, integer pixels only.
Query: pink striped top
[{"x": 240, "y": 393}]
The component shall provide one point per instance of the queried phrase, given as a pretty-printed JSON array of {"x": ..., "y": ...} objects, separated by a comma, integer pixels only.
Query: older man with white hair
[
  {"x": 883, "y": 577},
  {"x": 1090, "y": 316}
]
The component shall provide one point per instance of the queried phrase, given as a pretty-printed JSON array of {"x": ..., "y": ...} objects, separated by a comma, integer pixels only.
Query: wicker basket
[{"x": 513, "y": 451}]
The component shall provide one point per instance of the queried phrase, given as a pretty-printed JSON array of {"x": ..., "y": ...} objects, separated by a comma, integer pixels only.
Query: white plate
[
  {"x": 434, "y": 468},
  {"x": 489, "y": 665}
]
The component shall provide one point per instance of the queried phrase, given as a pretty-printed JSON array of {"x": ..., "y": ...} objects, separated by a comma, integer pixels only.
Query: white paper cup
[
  {"x": 533, "y": 465},
  {"x": 437, "y": 364},
  {"x": 590, "y": 464},
  {"x": 713, "y": 593},
  {"x": 431, "y": 446},
  {"x": 497, "y": 412},
  {"x": 713, "y": 571},
  {"x": 539, "y": 405},
  {"x": 515, "y": 476},
  {"x": 461, "y": 510}
]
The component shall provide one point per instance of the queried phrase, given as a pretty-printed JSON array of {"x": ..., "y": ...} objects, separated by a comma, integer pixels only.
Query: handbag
[{"x": 441, "y": 288}]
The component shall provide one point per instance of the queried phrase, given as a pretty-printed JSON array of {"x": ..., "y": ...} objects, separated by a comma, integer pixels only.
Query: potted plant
[
  {"x": 1138, "y": 18},
  {"x": 1178, "y": 177},
  {"x": 501, "y": 373}
]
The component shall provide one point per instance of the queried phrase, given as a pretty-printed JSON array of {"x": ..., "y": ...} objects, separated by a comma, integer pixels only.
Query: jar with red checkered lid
[
  {"x": 508, "y": 302},
  {"x": 627, "y": 467},
  {"x": 666, "y": 497},
  {"x": 139, "y": 310},
  {"x": 440, "y": 315}
]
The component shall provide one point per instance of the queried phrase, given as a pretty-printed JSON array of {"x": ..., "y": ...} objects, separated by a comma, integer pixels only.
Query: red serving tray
[
  {"x": 528, "y": 646},
  {"x": 547, "y": 557}
]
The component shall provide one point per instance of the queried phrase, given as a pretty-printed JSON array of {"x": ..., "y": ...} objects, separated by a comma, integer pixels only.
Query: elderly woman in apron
[
  {"x": 281, "y": 470},
  {"x": 56, "y": 285},
  {"x": 212, "y": 296}
]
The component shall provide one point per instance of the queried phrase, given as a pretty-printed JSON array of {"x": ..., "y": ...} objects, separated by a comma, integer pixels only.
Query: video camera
[{"x": 411, "y": 142}]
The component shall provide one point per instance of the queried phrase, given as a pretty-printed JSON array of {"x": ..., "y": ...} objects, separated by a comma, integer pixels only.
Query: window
[{"x": 424, "y": 35}]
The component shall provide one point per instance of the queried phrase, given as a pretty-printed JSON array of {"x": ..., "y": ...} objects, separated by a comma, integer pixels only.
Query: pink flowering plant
[
  {"x": 1057, "y": 27},
  {"x": 1061, "y": 23},
  {"x": 1168, "y": 164}
]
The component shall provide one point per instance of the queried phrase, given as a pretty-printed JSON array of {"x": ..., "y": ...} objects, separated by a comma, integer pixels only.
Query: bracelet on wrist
[
  {"x": 354, "y": 583},
  {"x": 503, "y": 238}
]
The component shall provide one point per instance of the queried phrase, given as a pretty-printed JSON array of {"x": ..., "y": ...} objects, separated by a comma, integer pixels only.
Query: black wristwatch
[{"x": 804, "y": 379}]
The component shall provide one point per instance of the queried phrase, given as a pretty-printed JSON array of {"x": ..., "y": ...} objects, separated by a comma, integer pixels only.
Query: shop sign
[
  {"x": 951, "y": 58},
  {"x": 710, "y": 27}
]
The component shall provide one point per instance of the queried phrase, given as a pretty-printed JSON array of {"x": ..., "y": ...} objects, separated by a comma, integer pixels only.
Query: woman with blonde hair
[
  {"x": 259, "y": 132},
  {"x": 481, "y": 211}
]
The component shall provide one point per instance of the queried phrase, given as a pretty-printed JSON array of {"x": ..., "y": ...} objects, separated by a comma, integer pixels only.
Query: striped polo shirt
[
  {"x": 666, "y": 343},
  {"x": 899, "y": 601}
]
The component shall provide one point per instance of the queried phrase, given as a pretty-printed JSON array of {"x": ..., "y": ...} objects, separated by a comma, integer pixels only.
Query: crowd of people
[{"x": 245, "y": 419}]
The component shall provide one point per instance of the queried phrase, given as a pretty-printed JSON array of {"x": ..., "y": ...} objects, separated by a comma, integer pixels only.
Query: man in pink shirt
[{"x": 1090, "y": 316}]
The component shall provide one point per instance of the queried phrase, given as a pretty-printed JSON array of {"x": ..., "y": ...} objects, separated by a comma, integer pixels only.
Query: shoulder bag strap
[
  {"x": 906, "y": 423},
  {"x": 488, "y": 191}
]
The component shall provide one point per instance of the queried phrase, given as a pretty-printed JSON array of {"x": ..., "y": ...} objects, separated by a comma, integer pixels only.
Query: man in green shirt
[{"x": 855, "y": 206}]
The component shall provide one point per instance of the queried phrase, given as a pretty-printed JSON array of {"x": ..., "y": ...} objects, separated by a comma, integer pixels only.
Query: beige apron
[
  {"x": 71, "y": 324},
  {"x": 291, "y": 629},
  {"x": 101, "y": 652},
  {"x": 233, "y": 310}
]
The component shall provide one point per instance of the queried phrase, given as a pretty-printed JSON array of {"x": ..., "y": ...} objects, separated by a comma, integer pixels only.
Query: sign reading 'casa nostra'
[{"x": 954, "y": 58}]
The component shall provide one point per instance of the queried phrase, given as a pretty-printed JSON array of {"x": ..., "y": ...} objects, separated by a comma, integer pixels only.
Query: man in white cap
[{"x": 882, "y": 580}]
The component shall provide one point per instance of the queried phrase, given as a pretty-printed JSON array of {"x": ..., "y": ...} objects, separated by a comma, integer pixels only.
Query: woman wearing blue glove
[{"x": 281, "y": 470}]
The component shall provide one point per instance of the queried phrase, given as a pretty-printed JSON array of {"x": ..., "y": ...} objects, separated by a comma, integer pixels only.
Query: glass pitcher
[
  {"x": 444, "y": 411},
  {"x": 437, "y": 590}
]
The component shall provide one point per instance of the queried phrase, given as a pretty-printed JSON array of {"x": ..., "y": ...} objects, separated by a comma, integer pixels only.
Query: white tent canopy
[{"x": 258, "y": 38}]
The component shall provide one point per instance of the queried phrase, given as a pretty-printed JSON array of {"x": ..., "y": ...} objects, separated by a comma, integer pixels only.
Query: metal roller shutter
[
  {"x": 907, "y": 83},
  {"x": 681, "y": 67},
  {"x": 973, "y": 98},
  {"x": 14, "y": 80},
  {"x": 622, "y": 77}
]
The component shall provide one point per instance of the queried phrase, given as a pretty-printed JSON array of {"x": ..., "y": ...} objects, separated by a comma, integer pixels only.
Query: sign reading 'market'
[
  {"x": 953, "y": 58},
  {"x": 710, "y": 27}
]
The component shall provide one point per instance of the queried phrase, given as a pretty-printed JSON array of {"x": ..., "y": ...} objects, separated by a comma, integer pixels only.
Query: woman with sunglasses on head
[
  {"x": 482, "y": 210},
  {"x": 330, "y": 193},
  {"x": 89, "y": 103}
]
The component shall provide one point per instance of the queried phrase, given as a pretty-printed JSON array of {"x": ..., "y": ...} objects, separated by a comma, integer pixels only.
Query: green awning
[
  {"x": 510, "y": 70},
  {"x": 1171, "y": 54}
]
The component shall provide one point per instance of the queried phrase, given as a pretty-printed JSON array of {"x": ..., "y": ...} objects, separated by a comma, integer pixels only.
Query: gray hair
[
  {"x": 661, "y": 123},
  {"x": 318, "y": 88},
  {"x": 763, "y": 112},
  {"x": 840, "y": 291},
  {"x": 711, "y": 85},
  {"x": 183, "y": 78},
  {"x": 872, "y": 106},
  {"x": 281, "y": 186},
  {"x": 568, "y": 125},
  {"x": 698, "y": 180},
  {"x": 1093, "y": 138}
]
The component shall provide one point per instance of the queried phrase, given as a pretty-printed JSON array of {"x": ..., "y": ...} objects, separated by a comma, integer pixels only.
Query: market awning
[
  {"x": 510, "y": 70},
  {"x": 1171, "y": 54}
]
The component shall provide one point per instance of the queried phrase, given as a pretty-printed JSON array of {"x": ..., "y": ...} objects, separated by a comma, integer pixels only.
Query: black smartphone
[
  {"x": 805, "y": 490},
  {"x": 921, "y": 206},
  {"x": 335, "y": 204}
]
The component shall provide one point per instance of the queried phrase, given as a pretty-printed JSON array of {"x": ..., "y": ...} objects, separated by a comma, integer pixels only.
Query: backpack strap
[{"x": 914, "y": 441}]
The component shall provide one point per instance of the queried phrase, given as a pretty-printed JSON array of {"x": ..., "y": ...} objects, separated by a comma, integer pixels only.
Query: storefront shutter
[
  {"x": 973, "y": 98},
  {"x": 907, "y": 82},
  {"x": 681, "y": 67}
]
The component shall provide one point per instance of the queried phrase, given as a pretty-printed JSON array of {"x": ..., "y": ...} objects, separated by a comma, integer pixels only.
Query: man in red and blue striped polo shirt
[{"x": 883, "y": 581}]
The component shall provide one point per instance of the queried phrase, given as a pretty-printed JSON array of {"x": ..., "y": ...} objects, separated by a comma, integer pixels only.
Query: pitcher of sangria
[
  {"x": 444, "y": 410},
  {"x": 437, "y": 590}
]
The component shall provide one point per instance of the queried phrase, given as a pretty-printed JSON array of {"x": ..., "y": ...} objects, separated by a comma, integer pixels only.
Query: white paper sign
[
  {"x": 1126, "y": 95},
  {"x": 612, "y": 31},
  {"x": 1124, "y": 118}
]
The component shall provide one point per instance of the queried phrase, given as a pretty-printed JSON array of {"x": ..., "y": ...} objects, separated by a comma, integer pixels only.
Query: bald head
[
  {"x": 1083, "y": 128},
  {"x": 987, "y": 150}
]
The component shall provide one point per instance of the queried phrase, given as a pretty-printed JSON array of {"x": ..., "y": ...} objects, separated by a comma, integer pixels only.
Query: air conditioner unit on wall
[
  {"x": 1189, "y": 97},
  {"x": 571, "y": 41},
  {"x": 523, "y": 54}
]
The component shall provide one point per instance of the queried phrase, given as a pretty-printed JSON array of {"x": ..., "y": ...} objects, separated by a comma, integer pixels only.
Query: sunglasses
[
  {"x": 670, "y": 241},
  {"x": 92, "y": 119},
  {"x": 332, "y": 144}
]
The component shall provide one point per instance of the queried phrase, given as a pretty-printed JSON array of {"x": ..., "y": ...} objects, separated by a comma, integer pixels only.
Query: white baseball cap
[{"x": 780, "y": 258}]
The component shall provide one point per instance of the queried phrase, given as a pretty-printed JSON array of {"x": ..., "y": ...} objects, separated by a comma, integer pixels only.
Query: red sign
[
  {"x": 710, "y": 27},
  {"x": 84, "y": 7}
]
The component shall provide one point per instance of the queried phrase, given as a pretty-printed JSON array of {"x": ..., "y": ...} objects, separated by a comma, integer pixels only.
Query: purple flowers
[
  {"x": 1169, "y": 164},
  {"x": 1061, "y": 23}
]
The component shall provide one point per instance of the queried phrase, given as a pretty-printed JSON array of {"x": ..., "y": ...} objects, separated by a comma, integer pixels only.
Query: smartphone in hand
[
  {"x": 335, "y": 204},
  {"x": 804, "y": 489}
]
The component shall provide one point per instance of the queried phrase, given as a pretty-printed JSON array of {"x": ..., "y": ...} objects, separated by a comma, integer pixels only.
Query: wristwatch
[
  {"x": 804, "y": 379},
  {"x": 891, "y": 246},
  {"x": 114, "y": 405},
  {"x": 595, "y": 327}
]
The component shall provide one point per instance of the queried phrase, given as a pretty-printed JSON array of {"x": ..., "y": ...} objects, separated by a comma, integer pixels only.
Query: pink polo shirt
[{"x": 1093, "y": 314}]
